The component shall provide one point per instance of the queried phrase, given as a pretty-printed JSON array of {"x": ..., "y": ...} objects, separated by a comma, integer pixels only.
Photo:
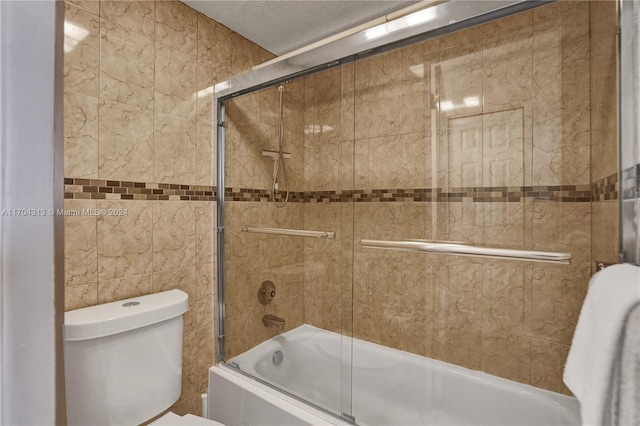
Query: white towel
[
  {"x": 623, "y": 406},
  {"x": 588, "y": 371}
]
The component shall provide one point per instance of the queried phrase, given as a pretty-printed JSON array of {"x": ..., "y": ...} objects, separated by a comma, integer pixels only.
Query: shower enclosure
[{"x": 442, "y": 180}]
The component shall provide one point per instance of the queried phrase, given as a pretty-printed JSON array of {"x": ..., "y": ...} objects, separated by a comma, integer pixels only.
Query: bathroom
[{"x": 504, "y": 134}]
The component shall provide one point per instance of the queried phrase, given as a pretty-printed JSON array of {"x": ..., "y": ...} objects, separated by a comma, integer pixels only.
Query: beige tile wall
[
  {"x": 531, "y": 76},
  {"x": 250, "y": 258},
  {"x": 138, "y": 96},
  {"x": 604, "y": 130},
  {"x": 523, "y": 101}
]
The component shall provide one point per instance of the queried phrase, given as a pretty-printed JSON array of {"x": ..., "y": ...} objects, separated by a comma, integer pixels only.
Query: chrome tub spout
[{"x": 274, "y": 321}]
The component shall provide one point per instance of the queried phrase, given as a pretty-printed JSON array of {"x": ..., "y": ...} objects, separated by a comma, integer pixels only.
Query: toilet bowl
[{"x": 123, "y": 361}]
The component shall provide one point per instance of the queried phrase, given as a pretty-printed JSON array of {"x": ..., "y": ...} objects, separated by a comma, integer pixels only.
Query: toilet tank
[{"x": 123, "y": 360}]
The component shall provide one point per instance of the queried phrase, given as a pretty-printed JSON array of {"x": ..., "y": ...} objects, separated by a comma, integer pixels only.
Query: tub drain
[{"x": 277, "y": 357}]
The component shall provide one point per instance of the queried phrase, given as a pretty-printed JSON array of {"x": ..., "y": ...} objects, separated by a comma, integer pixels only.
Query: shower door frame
[{"x": 449, "y": 16}]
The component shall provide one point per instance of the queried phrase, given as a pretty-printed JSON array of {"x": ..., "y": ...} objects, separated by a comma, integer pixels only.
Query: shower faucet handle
[{"x": 266, "y": 292}]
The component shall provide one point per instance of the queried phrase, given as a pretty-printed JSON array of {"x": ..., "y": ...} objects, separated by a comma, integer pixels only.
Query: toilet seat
[{"x": 172, "y": 419}]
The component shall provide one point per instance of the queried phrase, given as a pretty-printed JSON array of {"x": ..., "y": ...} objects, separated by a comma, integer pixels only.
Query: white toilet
[{"x": 123, "y": 361}]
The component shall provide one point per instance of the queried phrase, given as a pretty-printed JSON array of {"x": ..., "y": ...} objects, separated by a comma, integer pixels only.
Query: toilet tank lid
[{"x": 124, "y": 315}]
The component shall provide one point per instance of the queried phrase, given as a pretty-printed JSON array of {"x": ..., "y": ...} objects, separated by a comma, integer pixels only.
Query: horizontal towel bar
[
  {"x": 473, "y": 251},
  {"x": 291, "y": 232}
]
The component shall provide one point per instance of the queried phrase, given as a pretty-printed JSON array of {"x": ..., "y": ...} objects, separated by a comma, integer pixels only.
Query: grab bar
[
  {"x": 473, "y": 251},
  {"x": 291, "y": 232}
]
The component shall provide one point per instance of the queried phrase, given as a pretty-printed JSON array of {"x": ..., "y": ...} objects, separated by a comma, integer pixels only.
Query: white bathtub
[{"x": 390, "y": 387}]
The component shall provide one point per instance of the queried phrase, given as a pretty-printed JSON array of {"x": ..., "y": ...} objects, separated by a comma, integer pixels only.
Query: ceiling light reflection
[{"x": 73, "y": 34}]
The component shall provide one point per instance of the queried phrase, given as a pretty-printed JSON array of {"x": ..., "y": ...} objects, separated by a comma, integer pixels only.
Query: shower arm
[{"x": 470, "y": 251}]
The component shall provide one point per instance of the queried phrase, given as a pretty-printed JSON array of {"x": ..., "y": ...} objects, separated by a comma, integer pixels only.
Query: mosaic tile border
[
  {"x": 97, "y": 189},
  {"x": 631, "y": 183},
  {"x": 606, "y": 188},
  {"x": 565, "y": 193}
]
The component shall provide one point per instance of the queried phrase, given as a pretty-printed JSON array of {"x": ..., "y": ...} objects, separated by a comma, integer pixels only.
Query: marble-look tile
[
  {"x": 182, "y": 279},
  {"x": 92, "y": 6},
  {"x": 506, "y": 224},
  {"x": 416, "y": 164},
  {"x": 564, "y": 20},
  {"x": 205, "y": 155},
  {"x": 174, "y": 237},
  {"x": 244, "y": 54},
  {"x": 386, "y": 221},
  {"x": 416, "y": 221},
  {"x": 204, "y": 232},
  {"x": 124, "y": 288},
  {"x": 213, "y": 63},
  {"x": 80, "y": 136},
  {"x": 205, "y": 280},
  {"x": 460, "y": 161},
  {"x": 176, "y": 27},
  {"x": 604, "y": 149},
  {"x": 81, "y": 51},
  {"x": 503, "y": 146},
  {"x": 322, "y": 166},
  {"x": 419, "y": 290},
  {"x": 80, "y": 243},
  {"x": 506, "y": 73},
  {"x": 547, "y": 364},
  {"x": 508, "y": 30},
  {"x": 206, "y": 355},
  {"x": 126, "y": 142},
  {"x": 360, "y": 178},
  {"x": 561, "y": 111},
  {"x": 80, "y": 296},
  {"x": 124, "y": 242},
  {"x": 387, "y": 151},
  {"x": 502, "y": 297},
  {"x": 175, "y": 82},
  {"x": 348, "y": 102},
  {"x": 378, "y": 105},
  {"x": 459, "y": 312},
  {"x": 322, "y": 107},
  {"x": 416, "y": 101},
  {"x": 241, "y": 287},
  {"x": 135, "y": 15},
  {"x": 190, "y": 382},
  {"x": 459, "y": 40},
  {"x": 556, "y": 298},
  {"x": 174, "y": 150},
  {"x": 506, "y": 355},
  {"x": 126, "y": 66},
  {"x": 418, "y": 334},
  {"x": 322, "y": 311},
  {"x": 563, "y": 227},
  {"x": 241, "y": 244},
  {"x": 465, "y": 222},
  {"x": 605, "y": 227},
  {"x": 187, "y": 405}
]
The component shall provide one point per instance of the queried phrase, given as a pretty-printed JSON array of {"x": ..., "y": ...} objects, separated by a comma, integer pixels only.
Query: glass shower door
[{"x": 293, "y": 253}]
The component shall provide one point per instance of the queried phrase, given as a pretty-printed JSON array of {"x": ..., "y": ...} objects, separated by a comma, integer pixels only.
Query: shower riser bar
[
  {"x": 470, "y": 251},
  {"x": 290, "y": 232}
]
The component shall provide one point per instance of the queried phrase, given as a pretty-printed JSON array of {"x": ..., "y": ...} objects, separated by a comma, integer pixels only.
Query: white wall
[{"x": 32, "y": 391}]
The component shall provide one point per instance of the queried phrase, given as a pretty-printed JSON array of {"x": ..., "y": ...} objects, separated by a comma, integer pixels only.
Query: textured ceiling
[{"x": 281, "y": 26}]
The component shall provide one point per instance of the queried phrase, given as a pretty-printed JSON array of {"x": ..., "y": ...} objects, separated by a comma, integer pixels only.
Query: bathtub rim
[
  {"x": 565, "y": 403},
  {"x": 298, "y": 407}
]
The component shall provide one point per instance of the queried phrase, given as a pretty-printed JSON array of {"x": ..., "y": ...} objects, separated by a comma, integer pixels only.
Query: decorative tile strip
[
  {"x": 564, "y": 193},
  {"x": 606, "y": 188},
  {"x": 631, "y": 183},
  {"x": 98, "y": 189}
]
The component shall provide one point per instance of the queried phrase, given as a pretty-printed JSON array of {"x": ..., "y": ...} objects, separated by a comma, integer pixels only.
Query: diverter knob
[{"x": 267, "y": 292}]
